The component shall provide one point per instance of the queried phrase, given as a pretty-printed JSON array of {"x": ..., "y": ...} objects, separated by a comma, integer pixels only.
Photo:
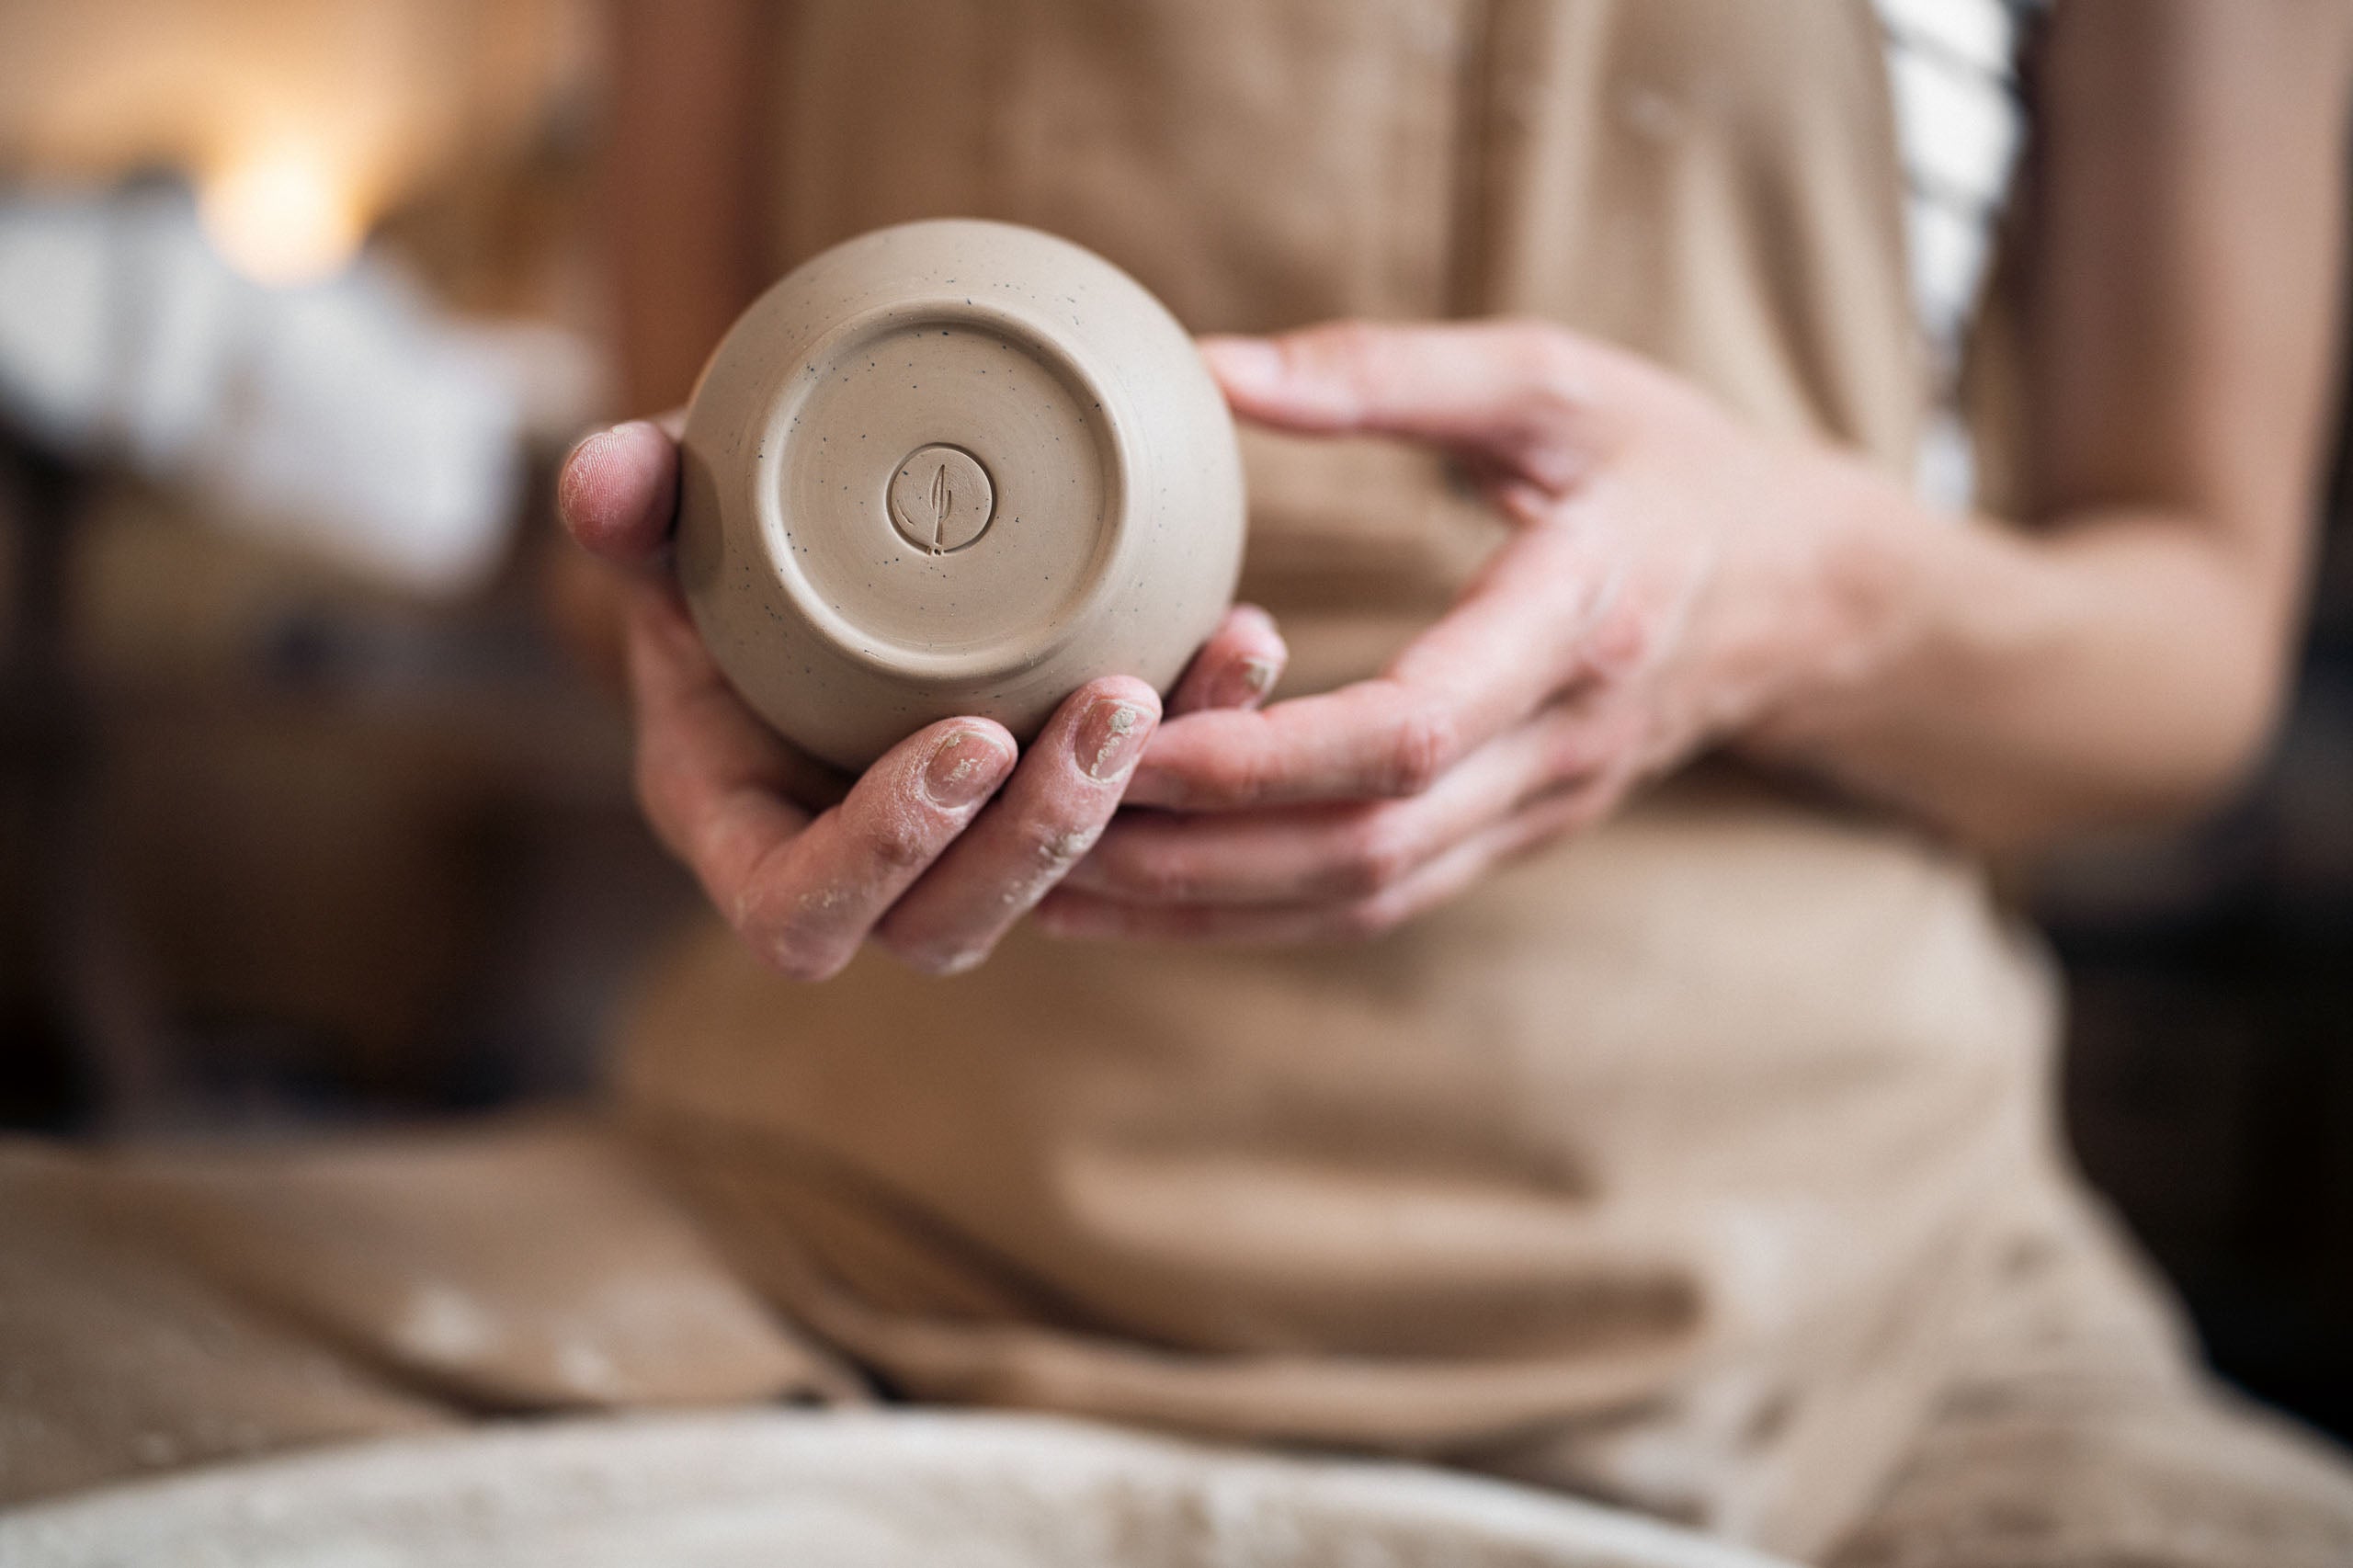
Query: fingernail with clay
[
  {"x": 964, "y": 767},
  {"x": 1249, "y": 680},
  {"x": 1111, "y": 738}
]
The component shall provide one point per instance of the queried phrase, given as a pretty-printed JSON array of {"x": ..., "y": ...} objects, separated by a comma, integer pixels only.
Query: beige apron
[{"x": 1655, "y": 1166}]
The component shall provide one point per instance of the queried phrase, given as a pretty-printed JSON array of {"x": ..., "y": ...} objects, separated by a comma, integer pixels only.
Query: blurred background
[{"x": 307, "y": 817}]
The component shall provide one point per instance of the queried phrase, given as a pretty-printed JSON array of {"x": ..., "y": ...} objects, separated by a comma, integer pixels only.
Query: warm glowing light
[{"x": 283, "y": 213}]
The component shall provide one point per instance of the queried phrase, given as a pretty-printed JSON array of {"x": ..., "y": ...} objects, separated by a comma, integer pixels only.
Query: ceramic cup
[{"x": 953, "y": 467}]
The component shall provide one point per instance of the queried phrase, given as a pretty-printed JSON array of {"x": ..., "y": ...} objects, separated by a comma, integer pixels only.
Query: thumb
[
  {"x": 1524, "y": 395},
  {"x": 618, "y": 491}
]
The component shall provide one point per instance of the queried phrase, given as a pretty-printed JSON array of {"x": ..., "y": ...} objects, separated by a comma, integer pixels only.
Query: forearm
[
  {"x": 2123, "y": 656},
  {"x": 2013, "y": 686}
]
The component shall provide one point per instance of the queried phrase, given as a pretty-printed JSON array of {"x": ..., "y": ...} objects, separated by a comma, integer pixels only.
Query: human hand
[
  {"x": 1671, "y": 574},
  {"x": 940, "y": 845}
]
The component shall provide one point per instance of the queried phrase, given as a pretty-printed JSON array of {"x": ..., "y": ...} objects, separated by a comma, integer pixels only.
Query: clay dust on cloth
[{"x": 869, "y": 1489}]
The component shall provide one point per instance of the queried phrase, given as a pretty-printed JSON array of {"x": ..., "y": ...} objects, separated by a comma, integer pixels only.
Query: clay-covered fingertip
[
  {"x": 966, "y": 760},
  {"x": 1255, "y": 677},
  {"x": 1114, "y": 726},
  {"x": 1128, "y": 690}
]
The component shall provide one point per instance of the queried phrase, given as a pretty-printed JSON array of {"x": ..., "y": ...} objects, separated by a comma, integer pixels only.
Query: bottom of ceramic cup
[{"x": 942, "y": 490}]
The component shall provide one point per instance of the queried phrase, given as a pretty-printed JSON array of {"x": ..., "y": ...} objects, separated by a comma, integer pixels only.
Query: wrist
[{"x": 1858, "y": 607}]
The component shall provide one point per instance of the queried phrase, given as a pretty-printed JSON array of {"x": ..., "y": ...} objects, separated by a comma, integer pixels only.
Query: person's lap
[
  {"x": 159, "y": 1309},
  {"x": 162, "y": 1308},
  {"x": 2079, "y": 1432}
]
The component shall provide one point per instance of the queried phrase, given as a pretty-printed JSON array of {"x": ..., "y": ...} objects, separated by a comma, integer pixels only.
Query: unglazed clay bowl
[{"x": 953, "y": 467}]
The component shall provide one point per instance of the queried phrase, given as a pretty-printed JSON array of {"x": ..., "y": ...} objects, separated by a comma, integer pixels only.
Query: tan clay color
[{"x": 953, "y": 467}]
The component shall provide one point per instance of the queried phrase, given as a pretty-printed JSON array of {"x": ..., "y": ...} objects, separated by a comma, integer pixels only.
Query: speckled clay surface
[{"x": 953, "y": 467}]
